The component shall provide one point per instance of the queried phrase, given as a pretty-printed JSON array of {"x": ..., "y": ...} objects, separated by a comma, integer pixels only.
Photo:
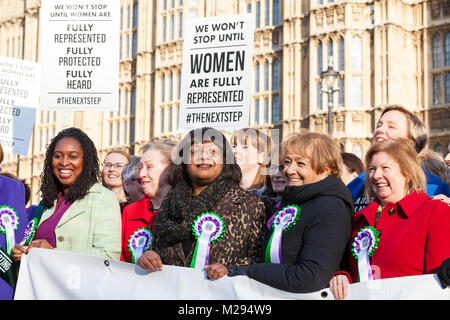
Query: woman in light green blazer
[{"x": 79, "y": 214}]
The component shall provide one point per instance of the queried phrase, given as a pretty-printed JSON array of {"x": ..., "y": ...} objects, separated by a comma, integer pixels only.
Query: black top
[{"x": 312, "y": 249}]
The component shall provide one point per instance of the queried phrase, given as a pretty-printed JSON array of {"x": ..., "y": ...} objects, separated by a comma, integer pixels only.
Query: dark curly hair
[
  {"x": 90, "y": 174},
  {"x": 181, "y": 155}
]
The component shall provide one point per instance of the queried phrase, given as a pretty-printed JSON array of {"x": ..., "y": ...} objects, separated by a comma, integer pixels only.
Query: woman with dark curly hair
[{"x": 79, "y": 214}]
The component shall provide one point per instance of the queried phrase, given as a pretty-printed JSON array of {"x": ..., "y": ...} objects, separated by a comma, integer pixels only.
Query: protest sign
[
  {"x": 19, "y": 98},
  {"x": 79, "y": 41},
  {"x": 56, "y": 274},
  {"x": 217, "y": 62}
]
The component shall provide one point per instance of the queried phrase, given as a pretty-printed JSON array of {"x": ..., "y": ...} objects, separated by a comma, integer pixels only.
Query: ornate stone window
[
  {"x": 436, "y": 49},
  {"x": 440, "y": 72},
  {"x": 266, "y": 97}
]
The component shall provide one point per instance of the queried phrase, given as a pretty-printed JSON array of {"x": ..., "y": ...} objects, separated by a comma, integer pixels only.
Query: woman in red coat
[
  {"x": 138, "y": 217},
  {"x": 402, "y": 232}
]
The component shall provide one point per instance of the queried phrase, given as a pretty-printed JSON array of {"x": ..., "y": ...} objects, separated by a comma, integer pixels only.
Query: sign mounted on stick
[
  {"x": 217, "y": 64},
  {"x": 80, "y": 54}
]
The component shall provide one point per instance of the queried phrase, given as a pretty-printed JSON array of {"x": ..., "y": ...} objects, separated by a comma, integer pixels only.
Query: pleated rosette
[
  {"x": 139, "y": 242},
  {"x": 284, "y": 220},
  {"x": 364, "y": 245},
  {"x": 9, "y": 221},
  {"x": 207, "y": 228},
  {"x": 30, "y": 230}
]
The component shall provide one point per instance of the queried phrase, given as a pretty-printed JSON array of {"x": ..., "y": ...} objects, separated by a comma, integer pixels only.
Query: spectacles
[{"x": 117, "y": 165}]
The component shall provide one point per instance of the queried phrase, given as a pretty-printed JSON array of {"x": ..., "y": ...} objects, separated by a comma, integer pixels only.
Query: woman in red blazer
[
  {"x": 402, "y": 232},
  {"x": 138, "y": 217}
]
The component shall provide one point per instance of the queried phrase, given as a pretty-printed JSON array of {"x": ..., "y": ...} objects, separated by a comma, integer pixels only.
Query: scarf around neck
[{"x": 179, "y": 209}]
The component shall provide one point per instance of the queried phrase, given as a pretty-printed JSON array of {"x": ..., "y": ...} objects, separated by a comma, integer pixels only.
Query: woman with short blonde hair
[
  {"x": 407, "y": 159},
  {"x": 320, "y": 147},
  {"x": 402, "y": 231},
  {"x": 306, "y": 238}
]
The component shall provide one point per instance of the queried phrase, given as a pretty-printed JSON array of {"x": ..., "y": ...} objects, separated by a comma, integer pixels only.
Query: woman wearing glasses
[{"x": 113, "y": 165}]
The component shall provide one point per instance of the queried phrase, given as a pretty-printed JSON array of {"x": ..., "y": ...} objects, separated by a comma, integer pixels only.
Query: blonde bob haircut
[
  {"x": 322, "y": 151},
  {"x": 406, "y": 156}
]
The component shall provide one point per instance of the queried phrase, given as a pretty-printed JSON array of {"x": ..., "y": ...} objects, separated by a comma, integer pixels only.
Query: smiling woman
[
  {"x": 155, "y": 168},
  {"x": 402, "y": 232},
  {"x": 79, "y": 214},
  {"x": 113, "y": 165},
  {"x": 67, "y": 162},
  {"x": 306, "y": 238},
  {"x": 206, "y": 221}
]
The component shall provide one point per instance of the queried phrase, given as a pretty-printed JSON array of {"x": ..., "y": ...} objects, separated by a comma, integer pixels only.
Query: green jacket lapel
[{"x": 77, "y": 208}]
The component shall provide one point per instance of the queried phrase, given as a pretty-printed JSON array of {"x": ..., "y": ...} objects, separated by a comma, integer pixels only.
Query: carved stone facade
[{"x": 386, "y": 51}]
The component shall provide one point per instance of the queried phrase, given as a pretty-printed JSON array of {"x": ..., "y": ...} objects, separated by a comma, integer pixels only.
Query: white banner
[
  {"x": 216, "y": 74},
  {"x": 79, "y": 41},
  {"x": 19, "y": 98},
  {"x": 55, "y": 275}
]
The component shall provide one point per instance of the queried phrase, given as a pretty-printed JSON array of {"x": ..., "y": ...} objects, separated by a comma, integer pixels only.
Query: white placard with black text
[
  {"x": 79, "y": 42},
  {"x": 19, "y": 98},
  {"x": 216, "y": 73}
]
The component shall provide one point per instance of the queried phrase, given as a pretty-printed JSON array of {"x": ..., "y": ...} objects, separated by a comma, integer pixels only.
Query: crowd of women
[{"x": 300, "y": 220}]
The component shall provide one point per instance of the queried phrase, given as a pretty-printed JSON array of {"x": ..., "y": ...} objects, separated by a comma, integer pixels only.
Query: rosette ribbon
[
  {"x": 207, "y": 228},
  {"x": 8, "y": 224},
  {"x": 30, "y": 230},
  {"x": 139, "y": 242},
  {"x": 283, "y": 221},
  {"x": 364, "y": 245}
]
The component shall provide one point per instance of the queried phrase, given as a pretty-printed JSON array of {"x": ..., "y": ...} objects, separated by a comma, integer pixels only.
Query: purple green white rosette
[
  {"x": 139, "y": 242},
  {"x": 364, "y": 245},
  {"x": 207, "y": 228},
  {"x": 283, "y": 221},
  {"x": 30, "y": 230},
  {"x": 9, "y": 221}
]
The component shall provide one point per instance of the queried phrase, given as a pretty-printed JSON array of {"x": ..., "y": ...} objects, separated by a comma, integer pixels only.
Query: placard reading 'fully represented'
[
  {"x": 79, "y": 43},
  {"x": 217, "y": 61},
  {"x": 19, "y": 98}
]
